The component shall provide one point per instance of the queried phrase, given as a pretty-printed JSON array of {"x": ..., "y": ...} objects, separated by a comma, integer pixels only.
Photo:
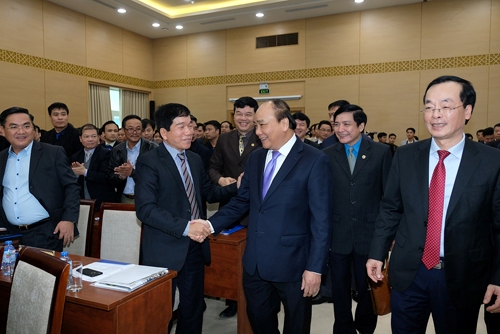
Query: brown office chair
[
  {"x": 38, "y": 293},
  {"x": 82, "y": 244},
  {"x": 120, "y": 232}
]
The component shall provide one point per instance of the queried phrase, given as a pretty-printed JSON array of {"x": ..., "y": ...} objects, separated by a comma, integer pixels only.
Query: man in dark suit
[
  {"x": 332, "y": 108},
  {"x": 442, "y": 208},
  {"x": 286, "y": 190},
  {"x": 109, "y": 132},
  {"x": 39, "y": 190},
  {"x": 171, "y": 187},
  {"x": 360, "y": 169},
  {"x": 197, "y": 145},
  {"x": 91, "y": 166},
  {"x": 63, "y": 134},
  {"x": 302, "y": 123},
  {"x": 230, "y": 157},
  {"x": 121, "y": 169}
]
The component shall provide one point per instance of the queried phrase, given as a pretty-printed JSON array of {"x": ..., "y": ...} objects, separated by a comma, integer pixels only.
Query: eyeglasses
[
  {"x": 15, "y": 127},
  {"x": 446, "y": 110},
  {"x": 131, "y": 130}
]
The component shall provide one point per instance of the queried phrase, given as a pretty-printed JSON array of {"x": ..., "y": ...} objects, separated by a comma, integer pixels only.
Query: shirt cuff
[
  {"x": 211, "y": 227},
  {"x": 186, "y": 230},
  {"x": 85, "y": 174}
]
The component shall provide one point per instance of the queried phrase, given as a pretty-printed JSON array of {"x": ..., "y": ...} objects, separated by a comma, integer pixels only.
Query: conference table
[
  {"x": 96, "y": 310},
  {"x": 223, "y": 278}
]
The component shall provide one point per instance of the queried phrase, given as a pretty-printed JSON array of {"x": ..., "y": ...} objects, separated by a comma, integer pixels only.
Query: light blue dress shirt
[
  {"x": 355, "y": 147},
  {"x": 132, "y": 155},
  {"x": 20, "y": 206}
]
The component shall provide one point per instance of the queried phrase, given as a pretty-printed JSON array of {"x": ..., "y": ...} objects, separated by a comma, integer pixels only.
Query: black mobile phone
[{"x": 90, "y": 272}]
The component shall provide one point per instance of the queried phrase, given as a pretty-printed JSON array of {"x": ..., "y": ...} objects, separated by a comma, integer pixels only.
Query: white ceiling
[{"x": 209, "y": 15}]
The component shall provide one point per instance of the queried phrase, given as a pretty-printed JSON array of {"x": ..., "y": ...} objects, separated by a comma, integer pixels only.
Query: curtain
[
  {"x": 99, "y": 105},
  {"x": 135, "y": 103}
]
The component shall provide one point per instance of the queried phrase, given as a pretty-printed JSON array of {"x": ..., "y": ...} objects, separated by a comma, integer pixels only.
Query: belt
[
  {"x": 31, "y": 226},
  {"x": 440, "y": 265},
  {"x": 129, "y": 196}
]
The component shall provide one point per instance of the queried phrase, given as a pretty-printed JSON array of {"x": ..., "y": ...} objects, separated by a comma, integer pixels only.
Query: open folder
[{"x": 130, "y": 278}]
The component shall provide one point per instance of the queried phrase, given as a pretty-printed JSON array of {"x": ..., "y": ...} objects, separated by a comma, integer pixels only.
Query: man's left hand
[
  {"x": 310, "y": 283},
  {"x": 78, "y": 168},
  {"x": 490, "y": 291},
  {"x": 66, "y": 231}
]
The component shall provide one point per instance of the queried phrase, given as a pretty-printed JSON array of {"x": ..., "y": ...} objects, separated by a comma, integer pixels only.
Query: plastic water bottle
[
  {"x": 8, "y": 259},
  {"x": 66, "y": 258}
]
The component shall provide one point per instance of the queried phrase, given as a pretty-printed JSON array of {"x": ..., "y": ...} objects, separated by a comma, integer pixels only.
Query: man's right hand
[
  {"x": 199, "y": 230},
  {"x": 374, "y": 270},
  {"x": 225, "y": 181}
]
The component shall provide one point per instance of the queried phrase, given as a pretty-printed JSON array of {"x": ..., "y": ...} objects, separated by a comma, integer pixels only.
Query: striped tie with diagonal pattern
[{"x": 190, "y": 192}]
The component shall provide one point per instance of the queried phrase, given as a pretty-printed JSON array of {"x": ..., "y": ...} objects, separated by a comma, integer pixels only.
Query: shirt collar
[
  {"x": 248, "y": 134},
  {"x": 356, "y": 146},
  {"x": 173, "y": 151},
  {"x": 285, "y": 149},
  {"x": 135, "y": 148},
  {"x": 456, "y": 150},
  {"x": 24, "y": 152}
]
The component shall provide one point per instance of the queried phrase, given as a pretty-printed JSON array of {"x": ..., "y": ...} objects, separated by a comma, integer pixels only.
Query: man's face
[
  {"x": 133, "y": 130},
  {"x": 497, "y": 132},
  {"x": 200, "y": 133},
  {"x": 410, "y": 134},
  {"x": 211, "y": 132},
  {"x": 392, "y": 139},
  {"x": 121, "y": 136},
  {"x": 346, "y": 129},
  {"x": 382, "y": 139},
  {"x": 225, "y": 127},
  {"x": 19, "y": 131},
  {"x": 180, "y": 134},
  {"x": 243, "y": 118},
  {"x": 324, "y": 131},
  {"x": 301, "y": 129},
  {"x": 446, "y": 127},
  {"x": 59, "y": 119},
  {"x": 479, "y": 136},
  {"x": 272, "y": 134},
  {"x": 148, "y": 132},
  {"x": 157, "y": 138},
  {"x": 110, "y": 133},
  {"x": 332, "y": 111},
  {"x": 488, "y": 138},
  {"x": 89, "y": 139}
]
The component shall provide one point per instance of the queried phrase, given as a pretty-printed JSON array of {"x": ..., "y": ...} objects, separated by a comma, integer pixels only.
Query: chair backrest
[
  {"x": 82, "y": 244},
  {"x": 38, "y": 293},
  {"x": 120, "y": 233}
]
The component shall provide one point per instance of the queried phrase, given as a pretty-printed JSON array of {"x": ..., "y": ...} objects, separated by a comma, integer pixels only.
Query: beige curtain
[
  {"x": 135, "y": 103},
  {"x": 99, "y": 105}
]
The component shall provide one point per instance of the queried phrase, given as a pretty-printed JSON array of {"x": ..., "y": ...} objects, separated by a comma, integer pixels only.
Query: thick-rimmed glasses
[{"x": 446, "y": 110}]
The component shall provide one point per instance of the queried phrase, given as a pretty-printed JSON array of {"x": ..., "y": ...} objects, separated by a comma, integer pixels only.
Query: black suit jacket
[
  {"x": 472, "y": 230},
  {"x": 97, "y": 176},
  {"x": 119, "y": 157},
  {"x": 356, "y": 198},
  {"x": 70, "y": 140},
  {"x": 51, "y": 181},
  {"x": 163, "y": 206}
]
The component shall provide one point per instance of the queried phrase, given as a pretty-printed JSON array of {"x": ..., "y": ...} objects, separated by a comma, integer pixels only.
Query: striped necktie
[{"x": 190, "y": 192}]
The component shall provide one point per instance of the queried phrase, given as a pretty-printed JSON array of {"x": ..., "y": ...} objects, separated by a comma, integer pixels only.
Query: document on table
[
  {"x": 107, "y": 268},
  {"x": 130, "y": 278}
]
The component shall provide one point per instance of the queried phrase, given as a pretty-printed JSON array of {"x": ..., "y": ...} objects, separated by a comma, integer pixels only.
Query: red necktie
[{"x": 435, "y": 216}]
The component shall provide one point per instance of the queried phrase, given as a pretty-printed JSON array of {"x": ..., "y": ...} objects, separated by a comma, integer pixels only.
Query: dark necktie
[
  {"x": 268, "y": 173},
  {"x": 242, "y": 144},
  {"x": 430, "y": 258},
  {"x": 190, "y": 192}
]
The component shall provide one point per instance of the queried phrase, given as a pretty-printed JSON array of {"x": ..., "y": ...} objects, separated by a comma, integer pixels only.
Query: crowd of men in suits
[{"x": 321, "y": 215}]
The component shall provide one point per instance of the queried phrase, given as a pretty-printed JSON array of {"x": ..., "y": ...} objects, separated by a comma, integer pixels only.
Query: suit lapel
[
  {"x": 290, "y": 161},
  {"x": 363, "y": 156},
  {"x": 421, "y": 170},
  {"x": 36, "y": 153},
  {"x": 234, "y": 143},
  {"x": 251, "y": 145},
  {"x": 468, "y": 164},
  {"x": 169, "y": 163},
  {"x": 341, "y": 158}
]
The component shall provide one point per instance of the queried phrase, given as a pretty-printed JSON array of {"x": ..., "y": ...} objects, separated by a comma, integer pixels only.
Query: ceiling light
[
  {"x": 179, "y": 27},
  {"x": 259, "y": 14},
  {"x": 121, "y": 10},
  {"x": 156, "y": 25},
  {"x": 359, "y": 1}
]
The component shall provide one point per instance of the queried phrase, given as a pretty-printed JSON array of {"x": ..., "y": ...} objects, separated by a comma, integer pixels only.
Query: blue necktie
[{"x": 268, "y": 173}]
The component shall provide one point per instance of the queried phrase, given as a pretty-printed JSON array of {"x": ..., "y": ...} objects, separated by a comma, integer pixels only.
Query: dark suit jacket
[
  {"x": 313, "y": 144},
  {"x": 356, "y": 198},
  {"x": 119, "y": 157},
  {"x": 200, "y": 149},
  {"x": 70, "y": 140},
  {"x": 51, "y": 181},
  {"x": 329, "y": 141},
  {"x": 163, "y": 206},
  {"x": 97, "y": 176},
  {"x": 472, "y": 231},
  {"x": 289, "y": 230}
]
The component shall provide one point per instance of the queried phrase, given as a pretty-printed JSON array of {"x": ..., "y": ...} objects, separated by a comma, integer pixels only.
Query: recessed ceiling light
[
  {"x": 121, "y": 10},
  {"x": 179, "y": 27},
  {"x": 156, "y": 25},
  {"x": 259, "y": 14},
  {"x": 359, "y": 1}
]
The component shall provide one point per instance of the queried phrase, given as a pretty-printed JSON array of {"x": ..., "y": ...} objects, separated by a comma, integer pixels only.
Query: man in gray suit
[{"x": 360, "y": 170}]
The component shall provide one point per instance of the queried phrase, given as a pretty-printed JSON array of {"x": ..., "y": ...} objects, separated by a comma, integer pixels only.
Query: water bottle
[
  {"x": 66, "y": 258},
  {"x": 8, "y": 259}
]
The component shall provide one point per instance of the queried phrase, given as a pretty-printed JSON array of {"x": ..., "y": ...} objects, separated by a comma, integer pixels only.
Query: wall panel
[
  {"x": 206, "y": 54},
  {"x": 170, "y": 95},
  {"x": 495, "y": 27},
  {"x": 170, "y": 58},
  {"x": 137, "y": 56},
  {"x": 207, "y": 102},
  {"x": 104, "y": 46},
  {"x": 493, "y": 99}
]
